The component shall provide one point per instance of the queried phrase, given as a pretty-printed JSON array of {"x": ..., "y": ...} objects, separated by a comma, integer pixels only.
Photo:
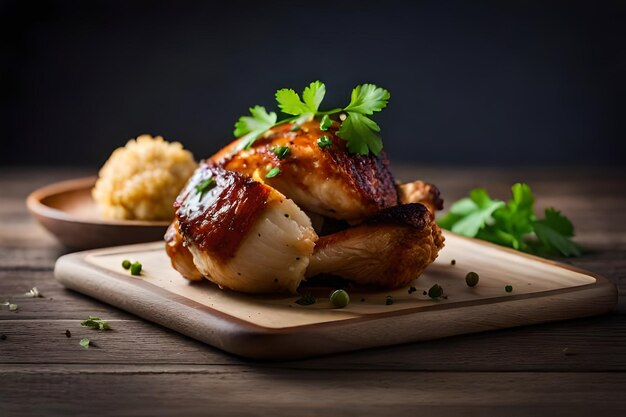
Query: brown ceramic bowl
[{"x": 67, "y": 210}]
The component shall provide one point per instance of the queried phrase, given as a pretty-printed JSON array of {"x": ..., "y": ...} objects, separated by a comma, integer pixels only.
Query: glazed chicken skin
[
  {"x": 389, "y": 249},
  {"x": 239, "y": 233},
  {"x": 328, "y": 181},
  {"x": 254, "y": 234}
]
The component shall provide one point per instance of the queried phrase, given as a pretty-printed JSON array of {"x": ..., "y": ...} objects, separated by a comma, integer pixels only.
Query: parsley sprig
[
  {"x": 96, "y": 323},
  {"x": 358, "y": 129},
  {"x": 513, "y": 223}
]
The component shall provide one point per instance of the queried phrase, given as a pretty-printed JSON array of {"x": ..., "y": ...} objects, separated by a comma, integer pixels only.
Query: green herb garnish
[
  {"x": 508, "y": 288},
  {"x": 306, "y": 300},
  {"x": 84, "y": 343},
  {"x": 272, "y": 172},
  {"x": 324, "y": 142},
  {"x": 205, "y": 186},
  {"x": 357, "y": 129},
  {"x": 471, "y": 279},
  {"x": 435, "y": 292},
  {"x": 250, "y": 129},
  {"x": 135, "y": 268},
  {"x": 513, "y": 223},
  {"x": 325, "y": 123},
  {"x": 339, "y": 298},
  {"x": 96, "y": 323},
  {"x": 126, "y": 264},
  {"x": 281, "y": 152}
]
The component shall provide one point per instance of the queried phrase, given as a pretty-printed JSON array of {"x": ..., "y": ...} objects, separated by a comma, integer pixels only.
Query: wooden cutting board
[{"x": 275, "y": 327}]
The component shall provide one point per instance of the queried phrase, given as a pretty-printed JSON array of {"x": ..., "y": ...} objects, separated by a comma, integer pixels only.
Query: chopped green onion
[
  {"x": 281, "y": 151},
  {"x": 273, "y": 172},
  {"x": 324, "y": 142},
  {"x": 204, "y": 186},
  {"x": 84, "y": 343}
]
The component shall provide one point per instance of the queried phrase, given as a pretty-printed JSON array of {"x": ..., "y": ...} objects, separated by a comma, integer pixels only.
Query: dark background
[{"x": 498, "y": 83}]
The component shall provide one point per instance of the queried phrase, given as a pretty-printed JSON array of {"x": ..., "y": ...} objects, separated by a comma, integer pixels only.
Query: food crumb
[
  {"x": 453, "y": 262},
  {"x": 389, "y": 300},
  {"x": 568, "y": 352},
  {"x": 412, "y": 290},
  {"x": 362, "y": 300},
  {"x": 68, "y": 334},
  {"x": 3, "y": 337}
]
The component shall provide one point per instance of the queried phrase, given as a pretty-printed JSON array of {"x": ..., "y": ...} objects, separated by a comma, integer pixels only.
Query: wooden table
[{"x": 140, "y": 368}]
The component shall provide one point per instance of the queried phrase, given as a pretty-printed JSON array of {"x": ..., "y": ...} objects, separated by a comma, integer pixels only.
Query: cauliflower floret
[{"x": 141, "y": 180}]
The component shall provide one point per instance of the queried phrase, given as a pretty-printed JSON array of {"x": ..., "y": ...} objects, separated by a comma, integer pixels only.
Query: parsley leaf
[
  {"x": 96, "y": 323},
  {"x": 313, "y": 95},
  {"x": 84, "y": 343},
  {"x": 358, "y": 130},
  {"x": 512, "y": 224},
  {"x": 554, "y": 232},
  {"x": 361, "y": 134},
  {"x": 251, "y": 128},
  {"x": 367, "y": 99},
  {"x": 468, "y": 215},
  {"x": 290, "y": 103}
]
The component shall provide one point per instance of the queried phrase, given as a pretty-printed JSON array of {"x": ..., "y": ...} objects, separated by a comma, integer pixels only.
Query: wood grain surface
[
  {"x": 573, "y": 368},
  {"x": 274, "y": 326}
]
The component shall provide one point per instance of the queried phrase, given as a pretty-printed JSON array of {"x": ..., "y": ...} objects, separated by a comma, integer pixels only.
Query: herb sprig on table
[
  {"x": 357, "y": 128},
  {"x": 513, "y": 224}
]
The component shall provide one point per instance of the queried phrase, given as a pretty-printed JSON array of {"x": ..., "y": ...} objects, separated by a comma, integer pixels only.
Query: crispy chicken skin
[
  {"x": 389, "y": 249},
  {"x": 250, "y": 233},
  {"x": 420, "y": 192},
  {"x": 180, "y": 257},
  {"x": 239, "y": 233},
  {"x": 330, "y": 181}
]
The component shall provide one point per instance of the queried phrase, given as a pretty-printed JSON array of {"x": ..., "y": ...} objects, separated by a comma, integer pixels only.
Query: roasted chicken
[
  {"x": 239, "y": 233},
  {"x": 389, "y": 249},
  {"x": 328, "y": 181},
  {"x": 252, "y": 232}
]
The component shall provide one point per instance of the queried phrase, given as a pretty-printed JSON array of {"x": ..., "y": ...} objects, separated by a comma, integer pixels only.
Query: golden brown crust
[
  {"x": 180, "y": 257},
  {"x": 420, "y": 192},
  {"x": 389, "y": 250},
  {"x": 330, "y": 181}
]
